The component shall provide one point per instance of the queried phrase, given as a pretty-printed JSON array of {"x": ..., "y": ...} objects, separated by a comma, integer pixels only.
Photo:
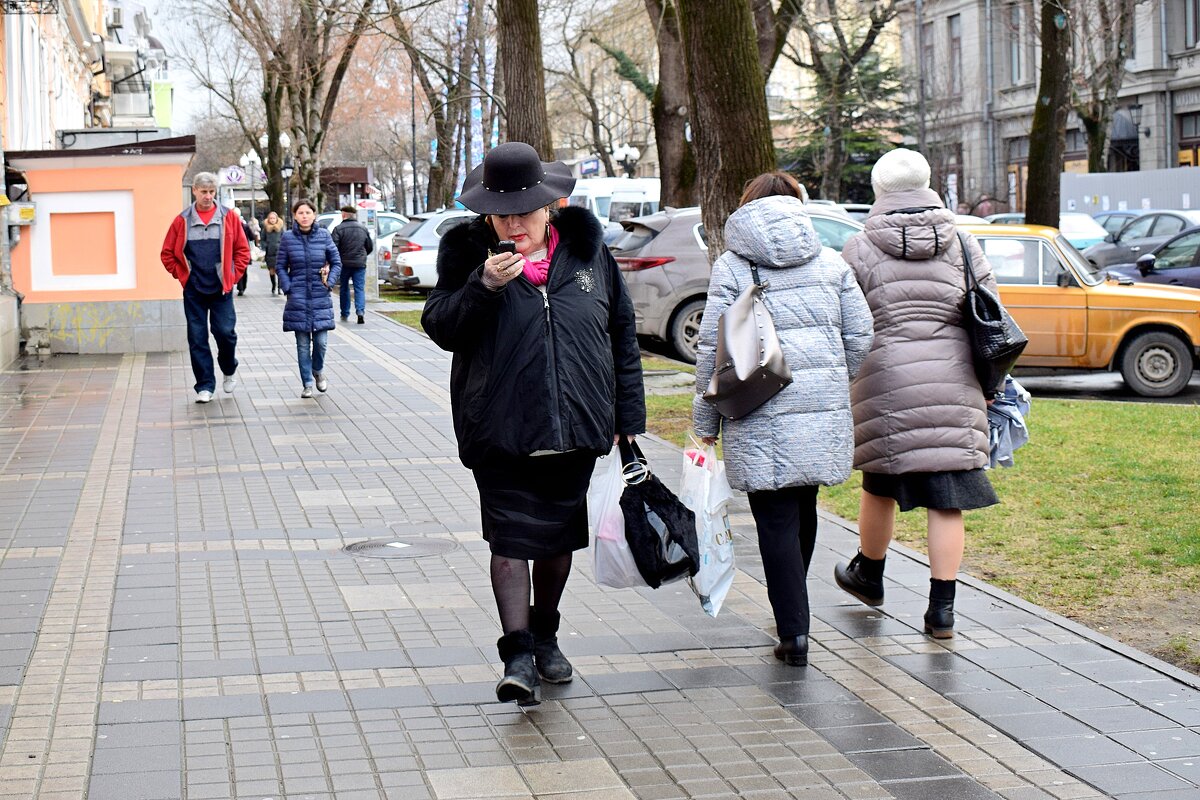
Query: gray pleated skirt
[{"x": 941, "y": 491}]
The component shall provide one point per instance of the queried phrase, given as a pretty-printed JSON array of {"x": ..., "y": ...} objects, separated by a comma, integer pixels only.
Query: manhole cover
[{"x": 400, "y": 548}]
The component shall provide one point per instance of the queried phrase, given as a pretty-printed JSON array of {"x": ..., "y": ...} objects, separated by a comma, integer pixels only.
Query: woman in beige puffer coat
[{"x": 920, "y": 416}]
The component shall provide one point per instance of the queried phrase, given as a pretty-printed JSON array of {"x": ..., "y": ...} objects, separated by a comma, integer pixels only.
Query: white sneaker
[
  {"x": 307, "y": 392},
  {"x": 322, "y": 382},
  {"x": 229, "y": 384},
  {"x": 204, "y": 396}
]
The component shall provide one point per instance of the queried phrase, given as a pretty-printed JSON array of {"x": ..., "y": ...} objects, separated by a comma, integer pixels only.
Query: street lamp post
[
  {"x": 285, "y": 172},
  {"x": 627, "y": 156},
  {"x": 250, "y": 163}
]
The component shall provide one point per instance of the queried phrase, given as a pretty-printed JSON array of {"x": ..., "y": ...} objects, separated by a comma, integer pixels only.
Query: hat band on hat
[{"x": 523, "y": 188}]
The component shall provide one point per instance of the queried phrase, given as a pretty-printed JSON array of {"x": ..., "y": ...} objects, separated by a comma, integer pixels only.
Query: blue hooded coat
[{"x": 301, "y": 256}]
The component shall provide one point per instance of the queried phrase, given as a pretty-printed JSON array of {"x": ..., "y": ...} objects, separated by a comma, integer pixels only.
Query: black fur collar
[{"x": 464, "y": 247}]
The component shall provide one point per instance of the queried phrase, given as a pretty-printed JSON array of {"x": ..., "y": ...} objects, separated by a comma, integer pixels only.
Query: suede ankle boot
[
  {"x": 939, "y": 617},
  {"x": 520, "y": 682},
  {"x": 552, "y": 665},
  {"x": 863, "y": 578}
]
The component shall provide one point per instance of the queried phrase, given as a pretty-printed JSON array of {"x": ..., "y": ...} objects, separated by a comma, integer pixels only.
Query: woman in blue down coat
[{"x": 307, "y": 265}]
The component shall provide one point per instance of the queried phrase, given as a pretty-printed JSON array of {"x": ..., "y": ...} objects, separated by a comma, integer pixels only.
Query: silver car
[
  {"x": 415, "y": 246},
  {"x": 664, "y": 258}
]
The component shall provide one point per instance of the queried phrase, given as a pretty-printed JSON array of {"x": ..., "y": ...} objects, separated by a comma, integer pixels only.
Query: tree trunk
[
  {"x": 676, "y": 160},
  {"x": 729, "y": 116},
  {"x": 1047, "y": 135},
  {"x": 272, "y": 97},
  {"x": 1095, "y": 126},
  {"x": 520, "y": 36}
]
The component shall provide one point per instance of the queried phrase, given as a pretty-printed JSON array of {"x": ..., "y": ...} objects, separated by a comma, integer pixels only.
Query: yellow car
[{"x": 1078, "y": 319}]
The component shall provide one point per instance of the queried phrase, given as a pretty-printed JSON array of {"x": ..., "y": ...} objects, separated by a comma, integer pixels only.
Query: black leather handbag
[
  {"x": 750, "y": 368},
  {"x": 660, "y": 529},
  {"x": 996, "y": 339}
]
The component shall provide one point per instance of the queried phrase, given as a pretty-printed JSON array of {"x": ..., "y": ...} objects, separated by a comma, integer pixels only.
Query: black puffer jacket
[
  {"x": 532, "y": 372},
  {"x": 353, "y": 242}
]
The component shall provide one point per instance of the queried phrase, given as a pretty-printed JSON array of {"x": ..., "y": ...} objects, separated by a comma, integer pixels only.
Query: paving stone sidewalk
[{"x": 179, "y": 619}]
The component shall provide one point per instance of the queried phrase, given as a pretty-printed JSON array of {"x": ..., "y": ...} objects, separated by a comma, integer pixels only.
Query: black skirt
[
  {"x": 941, "y": 491},
  {"x": 536, "y": 507}
]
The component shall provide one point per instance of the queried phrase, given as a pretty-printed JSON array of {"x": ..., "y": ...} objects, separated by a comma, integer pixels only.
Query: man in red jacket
[{"x": 206, "y": 250}]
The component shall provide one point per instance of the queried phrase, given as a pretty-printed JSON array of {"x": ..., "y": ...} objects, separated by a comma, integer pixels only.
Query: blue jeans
[
  {"x": 359, "y": 275},
  {"x": 310, "y": 352},
  {"x": 200, "y": 309}
]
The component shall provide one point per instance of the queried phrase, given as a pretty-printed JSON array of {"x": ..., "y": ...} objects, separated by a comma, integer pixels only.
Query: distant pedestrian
[
  {"x": 801, "y": 438},
  {"x": 920, "y": 417},
  {"x": 207, "y": 252},
  {"x": 251, "y": 238},
  {"x": 272, "y": 232},
  {"x": 546, "y": 371},
  {"x": 308, "y": 266},
  {"x": 354, "y": 244}
]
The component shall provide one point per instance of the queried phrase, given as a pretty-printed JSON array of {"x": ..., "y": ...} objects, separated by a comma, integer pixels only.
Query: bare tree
[
  {"x": 729, "y": 116},
  {"x": 520, "y": 39},
  {"x": 445, "y": 67},
  {"x": 1103, "y": 32},
  {"x": 1047, "y": 134},
  {"x": 839, "y": 40},
  {"x": 671, "y": 107}
]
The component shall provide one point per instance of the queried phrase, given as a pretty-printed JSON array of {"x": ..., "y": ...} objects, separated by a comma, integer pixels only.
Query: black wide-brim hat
[{"x": 513, "y": 180}]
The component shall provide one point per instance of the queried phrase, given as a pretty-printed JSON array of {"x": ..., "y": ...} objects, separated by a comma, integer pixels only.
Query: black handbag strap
[
  {"x": 968, "y": 267},
  {"x": 634, "y": 467}
]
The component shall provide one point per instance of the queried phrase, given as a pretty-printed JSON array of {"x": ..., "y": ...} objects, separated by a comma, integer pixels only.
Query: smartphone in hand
[{"x": 506, "y": 246}]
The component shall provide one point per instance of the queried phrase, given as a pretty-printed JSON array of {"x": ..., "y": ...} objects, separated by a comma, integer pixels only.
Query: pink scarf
[{"x": 538, "y": 272}]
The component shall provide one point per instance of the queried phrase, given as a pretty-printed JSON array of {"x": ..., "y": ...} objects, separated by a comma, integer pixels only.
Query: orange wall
[{"x": 156, "y": 195}]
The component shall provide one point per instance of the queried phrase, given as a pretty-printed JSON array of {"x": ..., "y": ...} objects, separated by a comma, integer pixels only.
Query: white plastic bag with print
[
  {"x": 705, "y": 490},
  {"x": 612, "y": 562}
]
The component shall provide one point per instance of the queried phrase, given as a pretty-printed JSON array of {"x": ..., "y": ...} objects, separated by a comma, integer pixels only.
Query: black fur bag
[{"x": 660, "y": 530}]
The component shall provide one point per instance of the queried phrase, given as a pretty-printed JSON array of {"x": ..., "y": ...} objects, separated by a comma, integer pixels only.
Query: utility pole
[
  {"x": 920, "y": 9},
  {"x": 412, "y": 105}
]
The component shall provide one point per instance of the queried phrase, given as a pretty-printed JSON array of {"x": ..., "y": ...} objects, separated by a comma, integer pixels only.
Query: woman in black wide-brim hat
[{"x": 546, "y": 374}]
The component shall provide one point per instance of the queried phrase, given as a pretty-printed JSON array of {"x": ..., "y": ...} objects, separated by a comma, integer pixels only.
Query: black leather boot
[
  {"x": 793, "y": 650},
  {"x": 520, "y": 682},
  {"x": 552, "y": 665},
  {"x": 939, "y": 617},
  {"x": 863, "y": 578}
]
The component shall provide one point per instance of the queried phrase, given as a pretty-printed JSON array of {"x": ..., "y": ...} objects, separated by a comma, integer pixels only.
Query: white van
[{"x": 637, "y": 195}]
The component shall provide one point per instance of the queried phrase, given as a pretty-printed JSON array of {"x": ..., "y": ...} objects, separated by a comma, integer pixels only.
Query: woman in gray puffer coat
[
  {"x": 920, "y": 417},
  {"x": 802, "y": 437}
]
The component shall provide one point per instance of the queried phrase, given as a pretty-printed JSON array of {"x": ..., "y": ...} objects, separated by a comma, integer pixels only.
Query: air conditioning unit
[{"x": 116, "y": 17}]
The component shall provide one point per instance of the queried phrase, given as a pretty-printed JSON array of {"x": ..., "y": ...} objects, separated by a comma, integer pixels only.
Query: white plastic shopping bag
[
  {"x": 612, "y": 561},
  {"x": 706, "y": 492}
]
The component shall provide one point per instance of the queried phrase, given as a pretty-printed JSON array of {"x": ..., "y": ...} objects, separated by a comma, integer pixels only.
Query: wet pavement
[{"x": 179, "y": 620}]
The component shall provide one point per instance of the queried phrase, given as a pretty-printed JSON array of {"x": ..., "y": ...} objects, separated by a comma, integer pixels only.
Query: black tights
[{"x": 510, "y": 584}]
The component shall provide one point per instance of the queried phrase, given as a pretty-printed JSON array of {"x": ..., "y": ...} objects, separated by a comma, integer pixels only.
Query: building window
[
  {"x": 1016, "y": 45},
  {"x": 1191, "y": 19},
  {"x": 954, "y": 28},
  {"x": 927, "y": 62}
]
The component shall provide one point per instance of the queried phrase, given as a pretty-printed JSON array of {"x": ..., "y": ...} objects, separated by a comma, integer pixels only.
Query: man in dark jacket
[
  {"x": 354, "y": 244},
  {"x": 251, "y": 238}
]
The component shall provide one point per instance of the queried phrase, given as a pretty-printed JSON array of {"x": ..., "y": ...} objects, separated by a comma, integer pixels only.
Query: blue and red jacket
[{"x": 235, "y": 250}]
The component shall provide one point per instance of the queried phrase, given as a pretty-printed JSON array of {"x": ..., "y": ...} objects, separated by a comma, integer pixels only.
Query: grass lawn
[{"x": 1098, "y": 521}]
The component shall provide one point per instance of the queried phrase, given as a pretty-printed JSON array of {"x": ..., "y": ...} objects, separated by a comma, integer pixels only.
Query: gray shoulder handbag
[{"x": 750, "y": 368}]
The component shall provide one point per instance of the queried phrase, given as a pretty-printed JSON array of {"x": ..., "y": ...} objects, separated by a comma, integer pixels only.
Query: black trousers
[{"x": 787, "y": 533}]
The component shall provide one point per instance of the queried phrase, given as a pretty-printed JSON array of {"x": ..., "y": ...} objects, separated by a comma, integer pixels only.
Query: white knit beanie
[{"x": 899, "y": 169}]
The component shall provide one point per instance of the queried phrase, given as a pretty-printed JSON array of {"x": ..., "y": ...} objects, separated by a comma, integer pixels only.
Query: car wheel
[
  {"x": 685, "y": 329},
  {"x": 1156, "y": 364}
]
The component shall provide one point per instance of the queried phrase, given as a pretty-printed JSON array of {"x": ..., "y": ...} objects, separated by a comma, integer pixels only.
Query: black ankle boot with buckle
[
  {"x": 939, "y": 617},
  {"x": 552, "y": 665},
  {"x": 863, "y": 578},
  {"x": 520, "y": 683},
  {"x": 793, "y": 650}
]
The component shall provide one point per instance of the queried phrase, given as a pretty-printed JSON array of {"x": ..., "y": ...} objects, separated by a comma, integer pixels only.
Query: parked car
[
  {"x": 1141, "y": 235},
  {"x": 414, "y": 247},
  {"x": 1076, "y": 319},
  {"x": 1175, "y": 262},
  {"x": 1113, "y": 221},
  {"x": 1079, "y": 229},
  {"x": 664, "y": 258},
  {"x": 857, "y": 211},
  {"x": 388, "y": 221},
  {"x": 969, "y": 219}
]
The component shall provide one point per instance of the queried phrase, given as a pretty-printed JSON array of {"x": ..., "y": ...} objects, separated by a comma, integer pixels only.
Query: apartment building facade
[{"x": 975, "y": 74}]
